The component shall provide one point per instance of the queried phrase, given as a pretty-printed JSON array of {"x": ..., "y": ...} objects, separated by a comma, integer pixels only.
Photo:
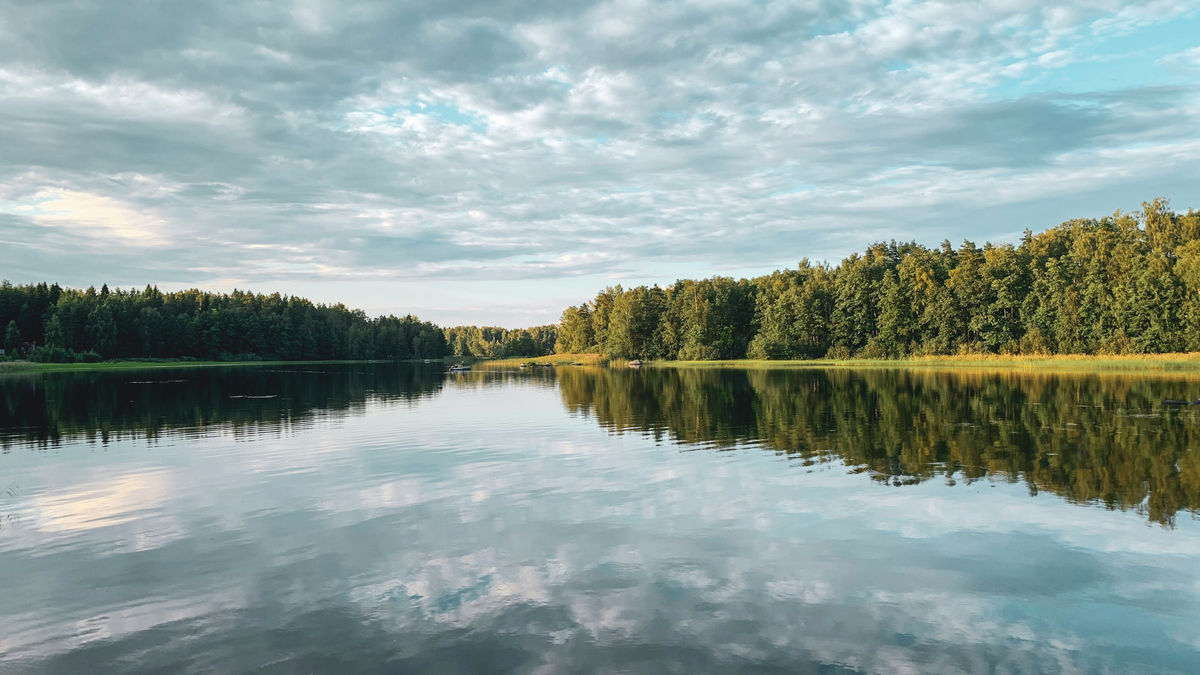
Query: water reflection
[
  {"x": 1089, "y": 439},
  {"x": 46, "y": 409},
  {"x": 1085, "y": 438},
  {"x": 402, "y": 519}
]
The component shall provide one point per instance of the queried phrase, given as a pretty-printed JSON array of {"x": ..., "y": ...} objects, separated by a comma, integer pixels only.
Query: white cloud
[
  {"x": 1188, "y": 58},
  {"x": 94, "y": 217},
  {"x": 693, "y": 135}
]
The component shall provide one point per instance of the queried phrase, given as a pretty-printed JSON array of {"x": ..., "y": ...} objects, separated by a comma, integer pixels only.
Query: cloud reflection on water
[{"x": 483, "y": 528}]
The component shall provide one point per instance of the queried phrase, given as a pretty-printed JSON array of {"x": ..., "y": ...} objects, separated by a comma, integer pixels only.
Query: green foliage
[
  {"x": 493, "y": 341},
  {"x": 1127, "y": 283},
  {"x": 52, "y": 355},
  {"x": 87, "y": 325},
  {"x": 634, "y": 321},
  {"x": 575, "y": 331},
  {"x": 12, "y": 338},
  {"x": 895, "y": 321}
]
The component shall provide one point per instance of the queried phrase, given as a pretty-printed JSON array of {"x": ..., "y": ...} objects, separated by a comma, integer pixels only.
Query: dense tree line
[
  {"x": 51, "y": 323},
  {"x": 1127, "y": 283},
  {"x": 493, "y": 341}
]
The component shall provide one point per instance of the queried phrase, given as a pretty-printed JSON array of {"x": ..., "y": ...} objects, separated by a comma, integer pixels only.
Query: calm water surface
[{"x": 396, "y": 518}]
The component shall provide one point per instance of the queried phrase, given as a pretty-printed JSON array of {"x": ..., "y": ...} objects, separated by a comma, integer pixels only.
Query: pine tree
[{"x": 12, "y": 339}]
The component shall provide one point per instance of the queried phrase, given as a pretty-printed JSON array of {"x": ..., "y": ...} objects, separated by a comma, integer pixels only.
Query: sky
[{"x": 492, "y": 162}]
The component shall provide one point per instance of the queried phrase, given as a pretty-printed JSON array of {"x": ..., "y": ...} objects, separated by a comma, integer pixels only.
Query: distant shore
[
  {"x": 1074, "y": 363},
  {"x": 138, "y": 364},
  {"x": 552, "y": 359}
]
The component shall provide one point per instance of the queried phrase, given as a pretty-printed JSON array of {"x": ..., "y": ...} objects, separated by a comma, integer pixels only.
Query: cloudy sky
[{"x": 491, "y": 162}]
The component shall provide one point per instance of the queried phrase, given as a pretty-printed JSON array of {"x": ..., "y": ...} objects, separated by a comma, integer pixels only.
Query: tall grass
[{"x": 1075, "y": 363}]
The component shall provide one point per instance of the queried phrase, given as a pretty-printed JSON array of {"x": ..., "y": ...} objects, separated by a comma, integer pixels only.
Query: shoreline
[
  {"x": 25, "y": 367},
  {"x": 1183, "y": 363}
]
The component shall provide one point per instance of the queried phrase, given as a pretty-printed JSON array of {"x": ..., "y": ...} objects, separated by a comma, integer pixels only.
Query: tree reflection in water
[
  {"x": 46, "y": 409},
  {"x": 1096, "y": 439},
  {"x": 1087, "y": 438}
]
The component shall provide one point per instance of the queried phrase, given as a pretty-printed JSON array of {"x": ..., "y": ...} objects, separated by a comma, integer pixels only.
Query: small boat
[
  {"x": 577, "y": 363},
  {"x": 521, "y": 366},
  {"x": 459, "y": 368},
  {"x": 636, "y": 363}
]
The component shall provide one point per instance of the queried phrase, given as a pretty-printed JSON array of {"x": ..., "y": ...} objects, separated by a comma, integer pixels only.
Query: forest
[
  {"x": 1122, "y": 284},
  {"x": 496, "y": 342},
  {"x": 46, "y": 322},
  {"x": 50, "y": 323}
]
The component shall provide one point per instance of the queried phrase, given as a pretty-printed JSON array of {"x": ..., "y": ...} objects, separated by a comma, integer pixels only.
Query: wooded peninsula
[{"x": 1123, "y": 284}]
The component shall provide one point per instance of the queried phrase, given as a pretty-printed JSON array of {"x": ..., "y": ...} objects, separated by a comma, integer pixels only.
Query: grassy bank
[
  {"x": 553, "y": 359},
  {"x": 135, "y": 364},
  {"x": 1074, "y": 363}
]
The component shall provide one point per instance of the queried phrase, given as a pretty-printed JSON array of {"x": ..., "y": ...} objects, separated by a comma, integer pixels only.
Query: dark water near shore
[{"x": 396, "y": 518}]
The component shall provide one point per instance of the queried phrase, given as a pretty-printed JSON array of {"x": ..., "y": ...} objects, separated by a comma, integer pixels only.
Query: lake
[{"x": 366, "y": 518}]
